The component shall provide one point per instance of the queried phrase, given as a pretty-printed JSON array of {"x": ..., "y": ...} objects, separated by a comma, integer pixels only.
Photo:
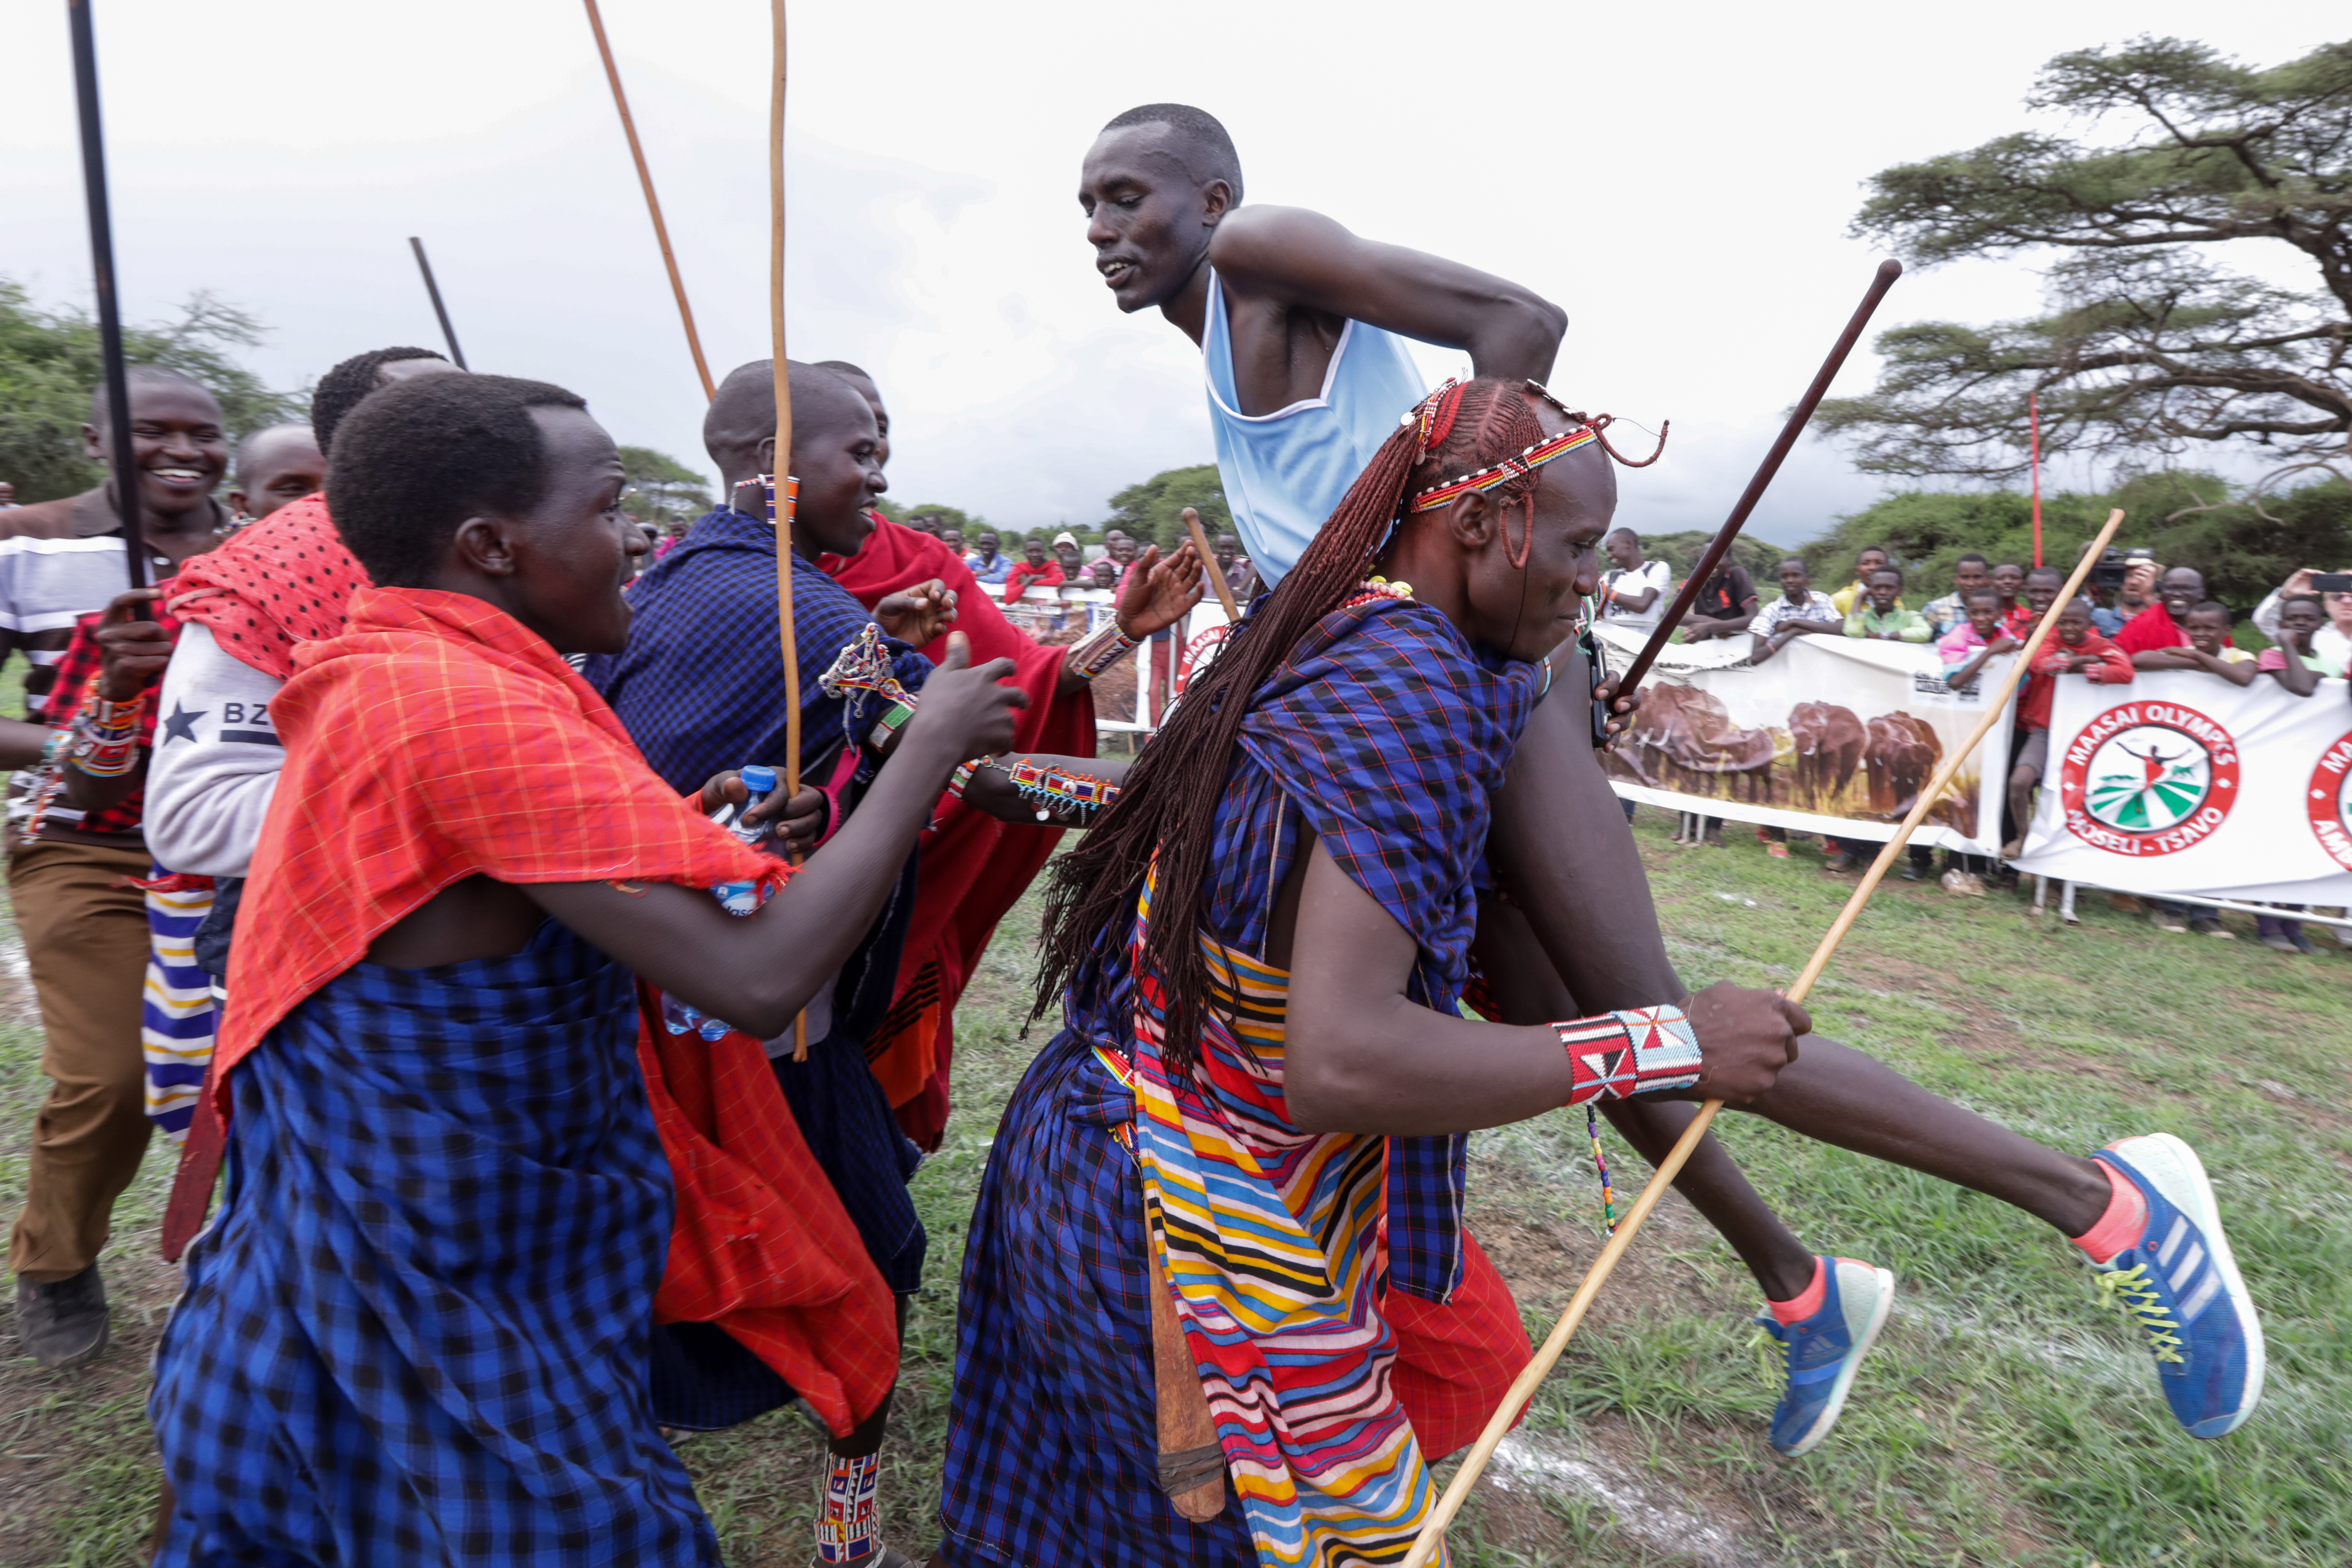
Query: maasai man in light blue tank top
[{"x": 1285, "y": 472}]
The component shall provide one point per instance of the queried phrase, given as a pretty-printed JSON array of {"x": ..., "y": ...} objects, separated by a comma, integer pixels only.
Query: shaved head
[
  {"x": 1196, "y": 139},
  {"x": 743, "y": 414},
  {"x": 269, "y": 446}
]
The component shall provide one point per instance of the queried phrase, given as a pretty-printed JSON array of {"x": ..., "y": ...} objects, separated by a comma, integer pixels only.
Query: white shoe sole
[
  {"x": 1845, "y": 1383},
  {"x": 2173, "y": 1166}
]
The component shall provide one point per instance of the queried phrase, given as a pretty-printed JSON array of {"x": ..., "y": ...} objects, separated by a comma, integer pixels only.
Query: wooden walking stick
[
  {"x": 652, "y": 203},
  {"x": 782, "y": 491},
  {"x": 1798, "y": 417},
  {"x": 1523, "y": 1387},
  {"x": 1209, "y": 565}
]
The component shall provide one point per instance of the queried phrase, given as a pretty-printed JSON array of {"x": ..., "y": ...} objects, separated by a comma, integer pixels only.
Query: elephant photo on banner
[{"x": 1834, "y": 735}]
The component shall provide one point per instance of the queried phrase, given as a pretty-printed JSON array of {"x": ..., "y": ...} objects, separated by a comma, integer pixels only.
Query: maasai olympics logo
[
  {"x": 2148, "y": 778},
  {"x": 2329, "y": 801}
]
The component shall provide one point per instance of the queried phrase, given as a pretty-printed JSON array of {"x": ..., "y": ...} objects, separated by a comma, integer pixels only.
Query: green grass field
[{"x": 2003, "y": 1419}]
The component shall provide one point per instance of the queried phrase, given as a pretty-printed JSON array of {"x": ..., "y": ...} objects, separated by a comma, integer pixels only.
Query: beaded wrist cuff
[
  {"x": 105, "y": 743},
  {"x": 1098, "y": 651},
  {"x": 1634, "y": 1050}
]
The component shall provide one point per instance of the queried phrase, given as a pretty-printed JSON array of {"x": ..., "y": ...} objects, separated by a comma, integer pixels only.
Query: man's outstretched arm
[{"x": 1302, "y": 258}]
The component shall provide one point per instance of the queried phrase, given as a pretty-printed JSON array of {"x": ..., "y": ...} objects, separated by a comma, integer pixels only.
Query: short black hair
[
  {"x": 1615, "y": 531},
  {"x": 1208, "y": 149},
  {"x": 137, "y": 375},
  {"x": 2213, "y": 607},
  {"x": 2045, "y": 572},
  {"x": 2287, "y": 602},
  {"x": 1796, "y": 560},
  {"x": 1972, "y": 555},
  {"x": 427, "y": 454},
  {"x": 1868, "y": 548},
  {"x": 1889, "y": 569},
  {"x": 340, "y": 390},
  {"x": 1976, "y": 593}
]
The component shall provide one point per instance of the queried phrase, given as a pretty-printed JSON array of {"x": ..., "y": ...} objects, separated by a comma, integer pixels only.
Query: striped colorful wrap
[
  {"x": 178, "y": 1014},
  {"x": 1271, "y": 1238}
]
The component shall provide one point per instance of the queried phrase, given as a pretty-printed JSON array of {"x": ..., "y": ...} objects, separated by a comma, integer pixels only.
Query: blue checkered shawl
[
  {"x": 417, "y": 1331},
  {"x": 700, "y": 686}
]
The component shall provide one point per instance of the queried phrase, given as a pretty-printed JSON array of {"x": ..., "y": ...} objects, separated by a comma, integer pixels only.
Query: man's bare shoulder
[
  {"x": 1264, "y": 245},
  {"x": 40, "y": 519}
]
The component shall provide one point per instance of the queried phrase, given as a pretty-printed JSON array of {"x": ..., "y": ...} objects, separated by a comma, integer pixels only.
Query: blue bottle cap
[{"x": 758, "y": 780}]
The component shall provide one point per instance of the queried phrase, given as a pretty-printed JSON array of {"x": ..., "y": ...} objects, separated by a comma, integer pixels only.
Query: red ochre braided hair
[{"x": 1168, "y": 806}]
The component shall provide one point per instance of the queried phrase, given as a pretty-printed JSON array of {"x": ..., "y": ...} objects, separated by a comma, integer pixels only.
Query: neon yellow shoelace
[{"x": 2129, "y": 1291}]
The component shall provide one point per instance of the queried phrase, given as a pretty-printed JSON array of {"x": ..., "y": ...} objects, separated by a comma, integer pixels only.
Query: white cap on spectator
[{"x": 1066, "y": 537}]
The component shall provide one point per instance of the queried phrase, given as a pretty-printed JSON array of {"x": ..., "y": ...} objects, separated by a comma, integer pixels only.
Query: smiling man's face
[{"x": 176, "y": 444}]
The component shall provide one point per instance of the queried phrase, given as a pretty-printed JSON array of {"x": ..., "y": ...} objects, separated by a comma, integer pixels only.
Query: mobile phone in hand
[{"x": 2331, "y": 581}]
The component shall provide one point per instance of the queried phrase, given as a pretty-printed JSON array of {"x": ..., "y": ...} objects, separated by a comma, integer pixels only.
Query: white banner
[
  {"x": 1835, "y": 735},
  {"x": 2181, "y": 782}
]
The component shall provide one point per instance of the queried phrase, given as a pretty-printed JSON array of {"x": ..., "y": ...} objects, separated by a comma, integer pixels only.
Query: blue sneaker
[
  {"x": 1822, "y": 1353},
  {"x": 2180, "y": 1285}
]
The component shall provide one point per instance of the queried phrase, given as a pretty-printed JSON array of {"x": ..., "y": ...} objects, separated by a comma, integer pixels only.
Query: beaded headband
[
  {"x": 1509, "y": 469},
  {"x": 1435, "y": 415}
]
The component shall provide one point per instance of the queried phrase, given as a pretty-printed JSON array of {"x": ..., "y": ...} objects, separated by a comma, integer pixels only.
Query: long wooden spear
[
  {"x": 782, "y": 490},
  {"x": 653, "y": 202},
  {"x": 1523, "y": 1388},
  {"x": 1798, "y": 417}
]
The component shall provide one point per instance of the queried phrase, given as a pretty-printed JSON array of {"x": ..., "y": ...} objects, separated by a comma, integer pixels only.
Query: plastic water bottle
[{"x": 737, "y": 897}]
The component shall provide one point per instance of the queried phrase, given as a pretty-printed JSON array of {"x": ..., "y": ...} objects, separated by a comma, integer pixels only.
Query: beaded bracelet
[
  {"x": 1633, "y": 1050},
  {"x": 106, "y": 735},
  {"x": 1098, "y": 651},
  {"x": 1048, "y": 789}
]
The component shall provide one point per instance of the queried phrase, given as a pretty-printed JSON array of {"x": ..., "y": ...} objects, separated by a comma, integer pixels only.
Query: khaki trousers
[{"x": 86, "y": 941}]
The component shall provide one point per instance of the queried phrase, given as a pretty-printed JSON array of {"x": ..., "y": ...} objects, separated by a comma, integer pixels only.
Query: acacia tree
[{"x": 2149, "y": 345}]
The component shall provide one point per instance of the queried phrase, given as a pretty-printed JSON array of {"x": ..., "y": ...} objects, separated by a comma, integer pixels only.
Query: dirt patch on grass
[
  {"x": 60, "y": 1426},
  {"x": 1546, "y": 1260}
]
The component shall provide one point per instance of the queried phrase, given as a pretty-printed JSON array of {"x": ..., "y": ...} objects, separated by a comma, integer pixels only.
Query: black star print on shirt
[{"x": 180, "y": 724}]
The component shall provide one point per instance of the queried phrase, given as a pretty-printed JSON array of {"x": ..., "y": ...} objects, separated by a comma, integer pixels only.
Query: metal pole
[
  {"x": 122, "y": 450},
  {"x": 2033, "y": 415},
  {"x": 457, "y": 354}
]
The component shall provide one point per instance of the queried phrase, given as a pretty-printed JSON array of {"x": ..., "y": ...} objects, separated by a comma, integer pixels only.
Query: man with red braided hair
[
  {"x": 1258, "y": 1104},
  {"x": 1300, "y": 323}
]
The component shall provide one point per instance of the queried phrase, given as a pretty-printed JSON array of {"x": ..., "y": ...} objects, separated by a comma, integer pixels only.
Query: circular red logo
[
  {"x": 2148, "y": 778},
  {"x": 2329, "y": 801}
]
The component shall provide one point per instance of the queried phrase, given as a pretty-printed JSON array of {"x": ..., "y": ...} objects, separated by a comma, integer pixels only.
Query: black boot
[{"x": 62, "y": 1324}]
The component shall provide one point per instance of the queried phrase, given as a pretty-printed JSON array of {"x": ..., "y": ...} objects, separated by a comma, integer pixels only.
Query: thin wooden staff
[
  {"x": 1798, "y": 417},
  {"x": 1523, "y": 1388},
  {"x": 780, "y": 504},
  {"x": 1209, "y": 565},
  {"x": 652, "y": 203}
]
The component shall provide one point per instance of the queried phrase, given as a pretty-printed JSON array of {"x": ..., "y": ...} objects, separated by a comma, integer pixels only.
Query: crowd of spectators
[{"x": 2156, "y": 618}]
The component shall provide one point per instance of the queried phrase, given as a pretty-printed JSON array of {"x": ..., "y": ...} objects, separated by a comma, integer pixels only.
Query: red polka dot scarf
[{"x": 282, "y": 581}]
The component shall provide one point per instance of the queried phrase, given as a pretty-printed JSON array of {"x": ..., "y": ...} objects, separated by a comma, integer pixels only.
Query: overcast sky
[{"x": 1679, "y": 178}]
